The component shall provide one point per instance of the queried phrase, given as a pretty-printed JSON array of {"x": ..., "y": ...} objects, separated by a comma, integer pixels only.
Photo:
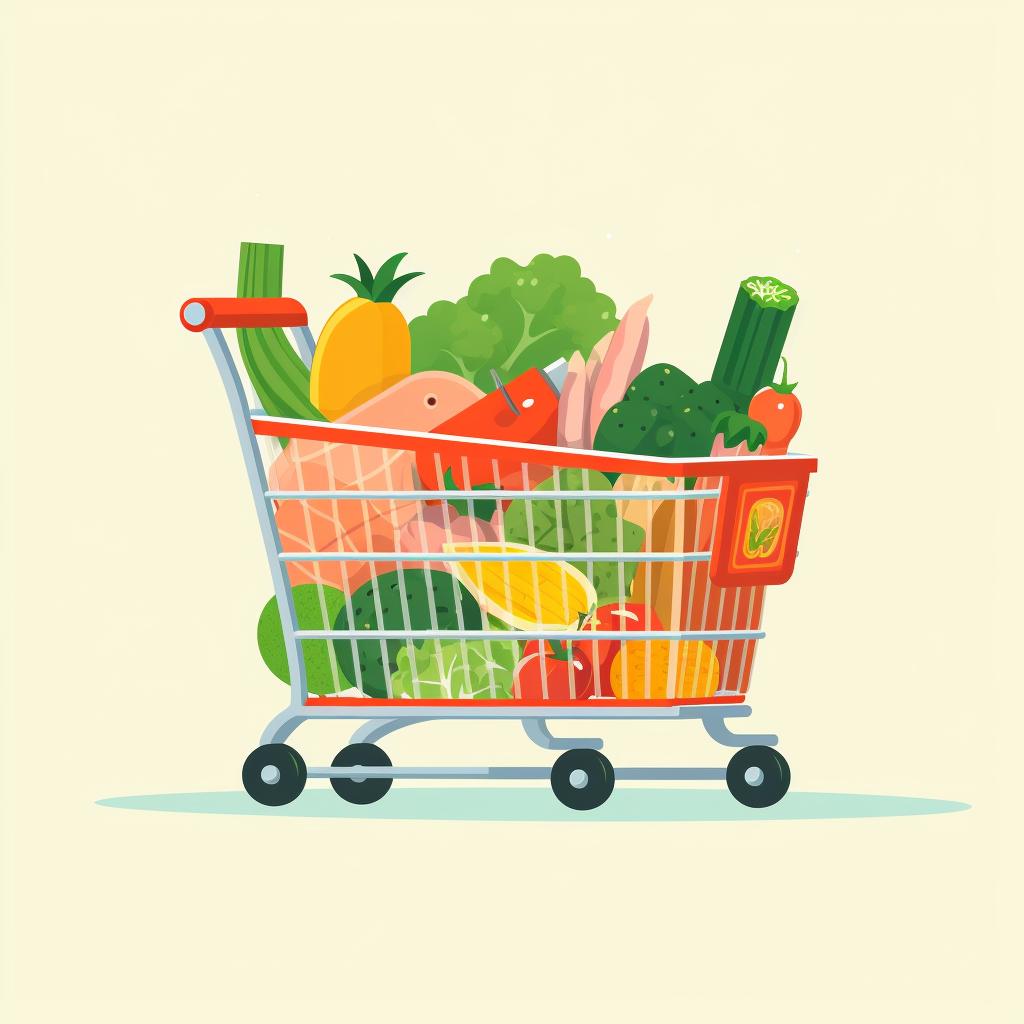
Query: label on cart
[{"x": 757, "y": 531}]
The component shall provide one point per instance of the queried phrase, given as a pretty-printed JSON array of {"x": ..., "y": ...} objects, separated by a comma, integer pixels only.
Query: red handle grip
[{"x": 200, "y": 314}]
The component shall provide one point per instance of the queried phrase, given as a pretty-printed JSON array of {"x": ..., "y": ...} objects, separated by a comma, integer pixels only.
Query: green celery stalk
[
  {"x": 754, "y": 337},
  {"x": 278, "y": 375}
]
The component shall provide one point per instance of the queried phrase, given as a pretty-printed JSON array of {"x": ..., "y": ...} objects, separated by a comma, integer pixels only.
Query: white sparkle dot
[{"x": 780, "y": 407}]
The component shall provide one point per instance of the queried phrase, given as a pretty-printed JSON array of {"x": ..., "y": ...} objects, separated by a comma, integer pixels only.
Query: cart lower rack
[{"x": 422, "y": 577}]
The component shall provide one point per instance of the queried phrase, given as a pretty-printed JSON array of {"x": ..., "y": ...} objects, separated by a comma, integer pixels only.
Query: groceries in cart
[
  {"x": 525, "y": 560},
  {"x": 504, "y": 509}
]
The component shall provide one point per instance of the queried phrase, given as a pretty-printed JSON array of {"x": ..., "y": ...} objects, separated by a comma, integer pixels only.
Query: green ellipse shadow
[{"x": 499, "y": 803}]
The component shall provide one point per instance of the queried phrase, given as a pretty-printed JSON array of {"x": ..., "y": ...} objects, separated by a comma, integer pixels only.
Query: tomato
[
  {"x": 779, "y": 410},
  {"x": 619, "y": 618},
  {"x": 539, "y": 678}
]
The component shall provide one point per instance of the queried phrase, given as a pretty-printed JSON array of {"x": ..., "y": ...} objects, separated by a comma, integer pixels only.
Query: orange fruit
[{"x": 660, "y": 669}]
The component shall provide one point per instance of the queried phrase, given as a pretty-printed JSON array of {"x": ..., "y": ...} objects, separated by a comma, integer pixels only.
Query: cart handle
[{"x": 202, "y": 314}]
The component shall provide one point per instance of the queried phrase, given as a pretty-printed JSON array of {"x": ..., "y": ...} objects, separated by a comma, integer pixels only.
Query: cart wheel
[
  {"x": 274, "y": 774},
  {"x": 582, "y": 779},
  {"x": 361, "y": 791},
  {"x": 757, "y": 776}
]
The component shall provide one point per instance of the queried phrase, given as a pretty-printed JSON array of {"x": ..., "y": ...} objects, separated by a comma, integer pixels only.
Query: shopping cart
[{"x": 343, "y": 509}]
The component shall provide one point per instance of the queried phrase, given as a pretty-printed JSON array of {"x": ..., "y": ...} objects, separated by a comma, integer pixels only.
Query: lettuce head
[
  {"x": 467, "y": 669},
  {"x": 513, "y": 318}
]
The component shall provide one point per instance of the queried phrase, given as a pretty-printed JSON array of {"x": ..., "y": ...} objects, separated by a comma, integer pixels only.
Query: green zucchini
[
  {"x": 279, "y": 376},
  {"x": 754, "y": 337}
]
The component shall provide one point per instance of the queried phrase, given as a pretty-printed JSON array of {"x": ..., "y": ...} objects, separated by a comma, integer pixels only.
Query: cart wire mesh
[
  {"x": 353, "y": 517},
  {"x": 440, "y": 590}
]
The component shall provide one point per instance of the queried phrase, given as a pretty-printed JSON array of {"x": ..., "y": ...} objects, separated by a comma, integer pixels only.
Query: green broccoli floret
[
  {"x": 664, "y": 412},
  {"x": 660, "y": 385},
  {"x": 513, "y": 318},
  {"x": 637, "y": 428}
]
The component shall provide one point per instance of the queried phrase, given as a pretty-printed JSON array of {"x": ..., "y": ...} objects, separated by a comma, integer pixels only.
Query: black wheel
[
  {"x": 582, "y": 779},
  {"x": 757, "y": 776},
  {"x": 274, "y": 774},
  {"x": 361, "y": 791}
]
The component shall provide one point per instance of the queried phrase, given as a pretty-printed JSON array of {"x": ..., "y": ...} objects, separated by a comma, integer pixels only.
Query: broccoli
[
  {"x": 664, "y": 412},
  {"x": 513, "y": 318}
]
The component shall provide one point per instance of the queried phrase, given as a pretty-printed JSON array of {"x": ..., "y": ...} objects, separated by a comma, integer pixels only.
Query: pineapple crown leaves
[{"x": 379, "y": 287}]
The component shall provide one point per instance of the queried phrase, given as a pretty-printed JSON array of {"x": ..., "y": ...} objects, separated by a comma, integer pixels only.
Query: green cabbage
[
  {"x": 513, "y": 318},
  {"x": 566, "y": 525},
  {"x": 455, "y": 668}
]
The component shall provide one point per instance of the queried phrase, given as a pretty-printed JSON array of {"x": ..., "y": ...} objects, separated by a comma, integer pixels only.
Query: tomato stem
[
  {"x": 559, "y": 650},
  {"x": 785, "y": 388}
]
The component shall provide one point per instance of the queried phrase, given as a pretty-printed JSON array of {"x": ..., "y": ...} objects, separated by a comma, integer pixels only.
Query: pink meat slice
[
  {"x": 437, "y": 527},
  {"x": 418, "y": 403}
]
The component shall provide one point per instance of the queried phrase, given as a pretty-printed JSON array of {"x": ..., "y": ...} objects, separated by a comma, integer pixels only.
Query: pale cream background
[{"x": 867, "y": 152}]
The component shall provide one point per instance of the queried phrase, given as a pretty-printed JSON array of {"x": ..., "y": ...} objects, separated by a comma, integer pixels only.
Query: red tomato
[
  {"x": 539, "y": 678},
  {"x": 778, "y": 409},
  {"x": 617, "y": 618}
]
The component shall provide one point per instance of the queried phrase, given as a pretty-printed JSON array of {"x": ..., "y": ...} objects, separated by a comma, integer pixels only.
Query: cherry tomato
[
  {"x": 619, "y": 618},
  {"x": 779, "y": 410},
  {"x": 539, "y": 678}
]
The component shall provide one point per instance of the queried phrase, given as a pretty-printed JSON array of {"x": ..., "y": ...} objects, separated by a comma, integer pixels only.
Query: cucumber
[
  {"x": 754, "y": 337},
  {"x": 278, "y": 375}
]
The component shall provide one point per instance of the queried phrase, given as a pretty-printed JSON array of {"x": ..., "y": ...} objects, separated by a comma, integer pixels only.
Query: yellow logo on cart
[{"x": 764, "y": 528}]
